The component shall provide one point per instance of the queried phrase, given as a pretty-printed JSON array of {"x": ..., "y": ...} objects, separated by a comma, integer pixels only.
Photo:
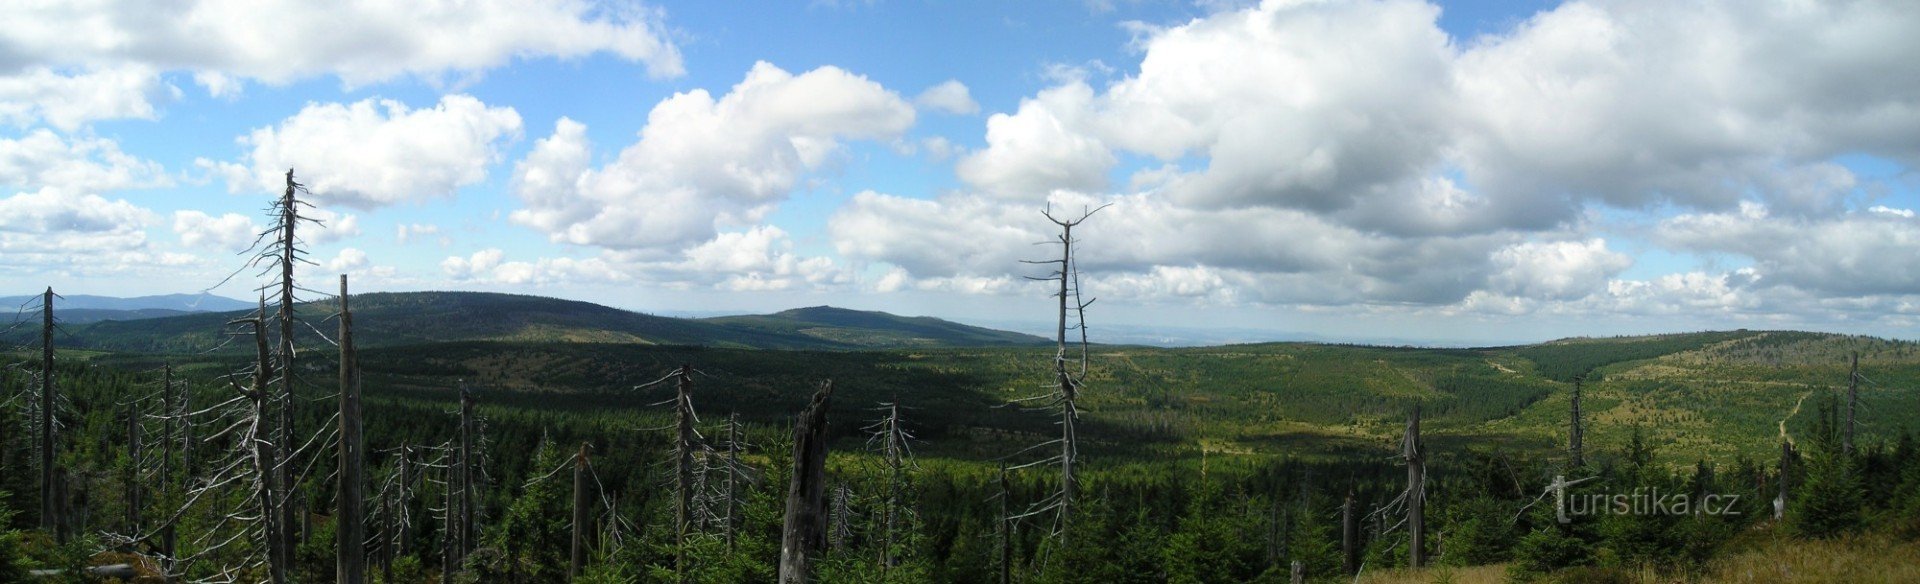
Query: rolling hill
[{"x": 410, "y": 318}]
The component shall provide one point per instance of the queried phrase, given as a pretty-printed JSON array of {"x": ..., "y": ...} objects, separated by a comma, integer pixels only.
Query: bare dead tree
[
  {"x": 578, "y": 556},
  {"x": 52, "y": 514},
  {"x": 168, "y": 490},
  {"x": 465, "y": 467},
  {"x": 840, "y": 517},
  {"x": 1576, "y": 433},
  {"x": 733, "y": 475},
  {"x": 350, "y": 562},
  {"x": 1349, "y": 538},
  {"x": 1415, "y": 454},
  {"x": 1065, "y": 390},
  {"x": 890, "y": 439},
  {"x": 133, "y": 486},
  {"x": 1005, "y": 533},
  {"x": 1853, "y": 402},
  {"x": 804, "y": 528},
  {"x": 683, "y": 445}
]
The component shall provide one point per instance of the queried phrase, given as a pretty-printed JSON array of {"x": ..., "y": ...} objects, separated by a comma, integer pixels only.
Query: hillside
[
  {"x": 176, "y": 302},
  {"x": 411, "y": 318},
  {"x": 874, "y": 329}
]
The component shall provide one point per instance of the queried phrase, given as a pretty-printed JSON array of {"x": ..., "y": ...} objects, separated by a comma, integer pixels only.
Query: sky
[{"x": 1453, "y": 173}]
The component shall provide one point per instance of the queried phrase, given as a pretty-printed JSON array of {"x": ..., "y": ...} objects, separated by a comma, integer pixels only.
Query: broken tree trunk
[
  {"x": 134, "y": 504},
  {"x": 350, "y": 565},
  {"x": 1853, "y": 402},
  {"x": 51, "y": 516},
  {"x": 804, "y": 531},
  {"x": 1349, "y": 538},
  {"x": 580, "y": 504},
  {"x": 1576, "y": 434},
  {"x": 167, "y": 488},
  {"x": 266, "y": 455},
  {"x": 1006, "y": 527},
  {"x": 464, "y": 543},
  {"x": 1416, "y": 496},
  {"x": 733, "y": 475},
  {"x": 683, "y": 465}
]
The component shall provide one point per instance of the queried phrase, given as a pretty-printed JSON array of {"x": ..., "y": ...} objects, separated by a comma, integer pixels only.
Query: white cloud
[
  {"x": 50, "y": 229},
  {"x": 229, "y": 232},
  {"x": 1560, "y": 270},
  {"x": 375, "y": 153},
  {"x": 407, "y": 232},
  {"x": 42, "y": 158},
  {"x": 280, "y": 41},
  {"x": 332, "y": 226},
  {"x": 348, "y": 260},
  {"x": 1040, "y": 149},
  {"x": 702, "y": 163},
  {"x": 70, "y": 99},
  {"x": 950, "y": 97},
  {"x": 478, "y": 264},
  {"x": 1845, "y": 255}
]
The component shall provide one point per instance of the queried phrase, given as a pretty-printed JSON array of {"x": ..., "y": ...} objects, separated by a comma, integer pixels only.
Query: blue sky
[{"x": 1466, "y": 172}]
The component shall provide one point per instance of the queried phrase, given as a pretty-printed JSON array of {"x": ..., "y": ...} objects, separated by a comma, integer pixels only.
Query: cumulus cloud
[
  {"x": 228, "y": 232},
  {"x": 374, "y": 153},
  {"x": 950, "y": 97},
  {"x": 41, "y": 158},
  {"x": 1561, "y": 270},
  {"x": 407, "y": 232},
  {"x": 54, "y": 229},
  {"x": 1335, "y": 153},
  {"x": 702, "y": 162},
  {"x": 280, "y": 41},
  {"x": 348, "y": 260},
  {"x": 71, "y": 99}
]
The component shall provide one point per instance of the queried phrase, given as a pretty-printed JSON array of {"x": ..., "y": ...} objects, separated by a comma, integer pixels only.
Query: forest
[{"x": 285, "y": 444}]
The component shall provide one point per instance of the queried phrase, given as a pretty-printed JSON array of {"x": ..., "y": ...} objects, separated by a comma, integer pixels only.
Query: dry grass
[
  {"x": 1766, "y": 558},
  {"x": 1863, "y": 558},
  {"x": 1494, "y": 574}
]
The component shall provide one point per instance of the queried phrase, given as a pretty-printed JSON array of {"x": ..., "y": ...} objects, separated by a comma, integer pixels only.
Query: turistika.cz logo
[{"x": 1639, "y": 501}]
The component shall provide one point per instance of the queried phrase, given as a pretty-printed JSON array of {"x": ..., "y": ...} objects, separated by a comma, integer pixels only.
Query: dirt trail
[{"x": 1790, "y": 415}]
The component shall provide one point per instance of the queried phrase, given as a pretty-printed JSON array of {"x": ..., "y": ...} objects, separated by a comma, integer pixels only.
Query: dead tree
[
  {"x": 286, "y": 252},
  {"x": 1786, "y": 467},
  {"x": 52, "y": 516},
  {"x": 804, "y": 528},
  {"x": 840, "y": 517},
  {"x": 1853, "y": 402},
  {"x": 1066, "y": 383},
  {"x": 1576, "y": 433},
  {"x": 889, "y": 439},
  {"x": 683, "y": 445},
  {"x": 167, "y": 489},
  {"x": 580, "y": 503},
  {"x": 350, "y": 564},
  {"x": 1415, "y": 455},
  {"x": 1349, "y": 538},
  {"x": 266, "y": 458},
  {"x": 133, "y": 486},
  {"x": 1006, "y": 527},
  {"x": 449, "y": 537},
  {"x": 465, "y": 464},
  {"x": 733, "y": 475}
]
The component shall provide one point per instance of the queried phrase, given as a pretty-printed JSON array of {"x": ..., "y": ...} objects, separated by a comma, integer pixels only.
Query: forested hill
[{"x": 411, "y": 318}]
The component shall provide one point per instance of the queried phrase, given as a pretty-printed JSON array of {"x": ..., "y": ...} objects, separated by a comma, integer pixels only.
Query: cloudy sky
[{"x": 1461, "y": 172}]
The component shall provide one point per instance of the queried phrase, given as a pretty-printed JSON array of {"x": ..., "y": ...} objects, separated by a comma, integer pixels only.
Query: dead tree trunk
[
  {"x": 1786, "y": 466},
  {"x": 1006, "y": 527},
  {"x": 1416, "y": 492},
  {"x": 804, "y": 531},
  {"x": 1853, "y": 402},
  {"x": 683, "y": 469},
  {"x": 266, "y": 455},
  {"x": 1576, "y": 434},
  {"x": 52, "y": 517},
  {"x": 134, "y": 504},
  {"x": 351, "y": 561},
  {"x": 1349, "y": 538},
  {"x": 733, "y": 476},
  {"x": 580, "y": 504},
  {"x": 1068, "y": 383},
  {"x": 465, "y": 540},
  {"x": 406, "y": 499},
  {"x": 448, "y": 536},
  {"x": 167, "y": 442},
  {"x": 289, "y": 254}
]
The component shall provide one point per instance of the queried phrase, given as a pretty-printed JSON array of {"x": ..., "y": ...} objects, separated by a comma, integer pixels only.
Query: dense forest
[{"x": 570, "y": 455}]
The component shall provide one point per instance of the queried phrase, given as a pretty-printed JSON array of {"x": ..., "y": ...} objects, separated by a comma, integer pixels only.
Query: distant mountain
[
  {"x": 874, "y": 329},
  {"x": 176, "y": 302},
  {"x": 406, "y": 318}
]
